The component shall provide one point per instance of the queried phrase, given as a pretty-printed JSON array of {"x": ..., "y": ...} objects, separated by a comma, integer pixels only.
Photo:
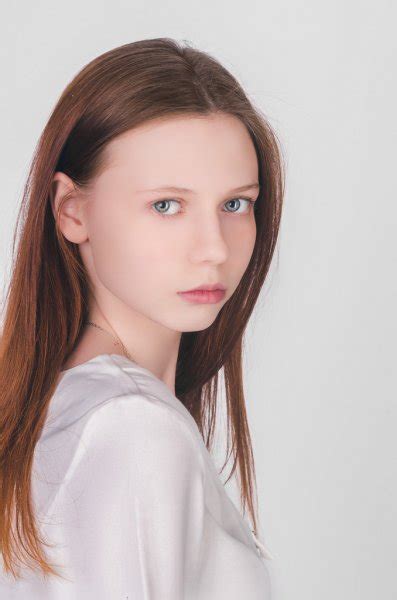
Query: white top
[{"x": 126, "y": 489}]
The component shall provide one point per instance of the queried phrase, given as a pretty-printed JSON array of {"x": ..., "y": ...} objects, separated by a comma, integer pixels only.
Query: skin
[{"x": 139, "y": 251}]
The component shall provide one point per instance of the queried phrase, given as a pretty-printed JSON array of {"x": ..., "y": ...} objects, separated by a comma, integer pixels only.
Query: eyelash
[{"x": 252, "y": 204}]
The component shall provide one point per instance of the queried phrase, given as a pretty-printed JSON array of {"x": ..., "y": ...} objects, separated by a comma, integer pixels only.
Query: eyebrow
[{"x": 169, "y": 188}]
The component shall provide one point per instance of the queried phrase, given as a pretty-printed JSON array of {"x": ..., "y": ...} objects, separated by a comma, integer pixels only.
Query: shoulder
[
  {"x": 141, "y": 427},
  {"x": 97, "y": 384}
]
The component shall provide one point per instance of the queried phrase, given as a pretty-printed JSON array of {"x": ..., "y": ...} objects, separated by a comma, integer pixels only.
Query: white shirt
[{"x": 129, "y": 495}]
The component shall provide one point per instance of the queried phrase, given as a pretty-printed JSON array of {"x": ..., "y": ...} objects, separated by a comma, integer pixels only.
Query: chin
[{"x": 199, "y": 323}]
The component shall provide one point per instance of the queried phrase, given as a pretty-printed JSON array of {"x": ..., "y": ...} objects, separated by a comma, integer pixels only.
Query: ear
[{"x": 65, "y": 197}]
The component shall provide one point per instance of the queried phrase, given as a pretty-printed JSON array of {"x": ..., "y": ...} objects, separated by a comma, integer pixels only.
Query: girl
[{"x": 154, "y": 176}]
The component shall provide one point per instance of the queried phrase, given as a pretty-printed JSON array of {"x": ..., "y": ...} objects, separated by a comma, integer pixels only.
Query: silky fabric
[{"x": 128, "y": 495}]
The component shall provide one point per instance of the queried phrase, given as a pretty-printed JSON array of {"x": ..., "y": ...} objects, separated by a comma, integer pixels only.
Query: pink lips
[{"x": 205, "y": 294}]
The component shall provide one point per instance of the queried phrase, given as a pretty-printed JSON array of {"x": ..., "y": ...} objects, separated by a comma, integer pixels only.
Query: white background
[{"x": 321, "y": 346}]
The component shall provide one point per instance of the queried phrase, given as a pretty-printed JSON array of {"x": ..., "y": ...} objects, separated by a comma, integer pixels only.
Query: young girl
[{"x": 149, "y": 221}]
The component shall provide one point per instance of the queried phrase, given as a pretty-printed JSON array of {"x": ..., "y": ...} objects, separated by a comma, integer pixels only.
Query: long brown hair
[{"x": 47, "y": 297}]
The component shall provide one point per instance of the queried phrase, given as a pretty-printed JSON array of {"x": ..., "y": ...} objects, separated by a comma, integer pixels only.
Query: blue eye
[
  {"x": 167, "y": 202},
  {"x": 163, "y": 214},
  {"x": 251, "y": 203}
]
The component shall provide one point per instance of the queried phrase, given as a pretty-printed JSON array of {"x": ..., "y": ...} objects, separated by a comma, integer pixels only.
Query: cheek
[
  {"x": 132, "y": 258},
  {"x": 240, "y": 253}
]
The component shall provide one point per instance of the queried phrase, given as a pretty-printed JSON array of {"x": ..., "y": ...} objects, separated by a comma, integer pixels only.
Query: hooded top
[{"x": 129, "y": 498}]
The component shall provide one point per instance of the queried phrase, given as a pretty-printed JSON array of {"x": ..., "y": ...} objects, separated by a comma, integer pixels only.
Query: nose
[{"x": 208, "y": 242}]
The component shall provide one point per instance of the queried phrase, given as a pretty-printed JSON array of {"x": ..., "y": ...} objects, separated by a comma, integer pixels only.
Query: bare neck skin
[{"x": 150, "y": 355}]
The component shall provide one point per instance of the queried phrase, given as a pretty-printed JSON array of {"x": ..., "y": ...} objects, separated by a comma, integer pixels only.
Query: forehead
[{"x": 184, "y": 150}]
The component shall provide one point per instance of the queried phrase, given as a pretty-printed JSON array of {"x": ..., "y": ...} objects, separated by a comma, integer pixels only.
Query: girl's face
[{"x": 142, "y": 243}]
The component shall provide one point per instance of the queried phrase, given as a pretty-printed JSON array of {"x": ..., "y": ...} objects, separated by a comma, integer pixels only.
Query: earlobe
[{"x": 66, "y": 201}]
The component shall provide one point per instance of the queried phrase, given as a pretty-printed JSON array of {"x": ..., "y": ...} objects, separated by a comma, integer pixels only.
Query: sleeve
[{"x": 137, "y": 498}]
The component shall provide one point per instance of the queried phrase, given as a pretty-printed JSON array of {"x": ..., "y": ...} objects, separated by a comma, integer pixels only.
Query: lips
[
  {"x": 207, "y": 287},
  {"x": 203, "y": 296}
]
